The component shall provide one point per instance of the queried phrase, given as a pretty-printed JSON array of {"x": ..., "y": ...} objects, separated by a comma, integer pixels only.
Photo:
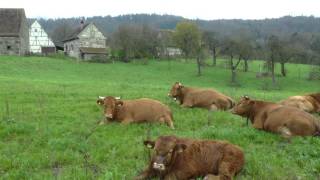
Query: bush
[
  {"x": 314, "y": 73},
  {"x": 100, "y": 59}
]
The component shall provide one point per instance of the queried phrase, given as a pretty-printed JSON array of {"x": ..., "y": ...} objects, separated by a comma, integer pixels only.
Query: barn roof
[
  {"x": 10, "y": 21},
  {"x": 88, "y": 50},
  {"x": 74, "y": 34}
]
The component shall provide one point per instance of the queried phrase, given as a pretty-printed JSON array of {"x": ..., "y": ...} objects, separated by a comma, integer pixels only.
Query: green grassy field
[{"x": 48, "y": 111}]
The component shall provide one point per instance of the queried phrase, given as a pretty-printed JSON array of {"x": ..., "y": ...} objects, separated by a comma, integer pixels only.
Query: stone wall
[
  {"x": 24, "y": 36},
  {"x": 10, "y": 45},
  {"x": 72, "y": 48}
]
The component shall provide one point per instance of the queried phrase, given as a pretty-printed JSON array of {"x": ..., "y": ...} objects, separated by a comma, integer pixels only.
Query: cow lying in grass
[
  {"x": 204, "y": 98},
  {"x": 135, "y": 111},
  {"x": 309, "y": 103},
  {"x": 182, "y": 159},
  {"x": 276, "y": 118}
]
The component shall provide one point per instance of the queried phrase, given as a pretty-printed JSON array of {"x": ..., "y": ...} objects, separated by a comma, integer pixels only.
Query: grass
[{"x": 48, "y": 111}]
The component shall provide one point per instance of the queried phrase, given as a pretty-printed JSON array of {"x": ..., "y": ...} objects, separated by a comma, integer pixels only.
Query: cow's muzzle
[
  {"x": 158, "y": 166},
  {"x": 173, "y": 97},
  {"x": 109, "y": 116}
]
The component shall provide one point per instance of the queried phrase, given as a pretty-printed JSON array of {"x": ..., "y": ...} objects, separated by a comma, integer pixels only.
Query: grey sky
[{"x": 202, "y": 9}]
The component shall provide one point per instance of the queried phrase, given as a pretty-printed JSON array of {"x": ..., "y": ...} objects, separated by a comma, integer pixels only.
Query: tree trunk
[
  {"x": 233, "y": 75},
  {"x": 283, "y": 70},
  {"x": 214, "y": 57},
  {"x": 246, "y": 66},
  {"x": 233, "y": 71},
  {"x": 199, "y": 65},
  {"x": 272, "y": 72}
]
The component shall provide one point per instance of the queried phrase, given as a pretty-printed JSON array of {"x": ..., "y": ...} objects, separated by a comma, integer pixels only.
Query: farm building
[
  {"x": 14, "y": 32},
  {"x": 39, "y": 40},
  {"x": 86, "y": 42}
]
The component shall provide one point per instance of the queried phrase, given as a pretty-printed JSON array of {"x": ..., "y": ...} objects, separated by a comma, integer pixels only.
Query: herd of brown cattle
[{"x": 177, "y": 158}]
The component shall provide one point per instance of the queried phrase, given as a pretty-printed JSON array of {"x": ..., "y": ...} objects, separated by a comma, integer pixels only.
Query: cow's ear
[
  {"x": 100, "y": 102},
  {"x": 180, "y": 86},
  {"x": 246, "y": 97},
  {"x": 180, "y": 148},
  {"x": 119, "y": 103},
  {"x": 149, "y": 144}
]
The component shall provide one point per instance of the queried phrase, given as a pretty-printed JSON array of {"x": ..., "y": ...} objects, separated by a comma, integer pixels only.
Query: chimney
[{"x": 82, "y": 23}]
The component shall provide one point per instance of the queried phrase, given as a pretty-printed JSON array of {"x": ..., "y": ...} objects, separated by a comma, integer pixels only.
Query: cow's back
[
  {"x": 204, "y": 157},
  {"x": 301, "y": 102},
  {"x": 206, "y": 97},
  {"x": 145, "y": 109},
  {"x": 298, "y": 121}
]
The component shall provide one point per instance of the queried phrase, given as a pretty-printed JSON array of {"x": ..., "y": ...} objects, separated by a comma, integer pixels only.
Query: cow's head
[
  {"x": 316, "y": 96},
  {"x": 243, "y": 106},
  {"x": 110, "y": 106},
  {"x": 100, "y": 100},
  {"x": 175, "y": 91},
  {"x": 165, "y": 149}
]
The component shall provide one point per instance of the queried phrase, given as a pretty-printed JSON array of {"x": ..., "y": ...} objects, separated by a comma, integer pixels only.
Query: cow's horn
[
  {"x": 118, "y": 98},
  {"x": 101, "y": 97}
]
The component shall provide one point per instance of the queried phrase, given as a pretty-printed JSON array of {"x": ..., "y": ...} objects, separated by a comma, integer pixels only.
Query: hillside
[
  {"x": 48, "y": 117},
  {"x": 259, "y": 28}
]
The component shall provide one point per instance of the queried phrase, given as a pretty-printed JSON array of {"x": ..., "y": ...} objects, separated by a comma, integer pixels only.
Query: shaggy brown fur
[
  {"x": 182, "y": 159},
  {"x": 139, "y": 110},
  {"x": 309, "y": 102},
  {"x": 204, "y": 98},
  {"x": 277, "y": 118}
]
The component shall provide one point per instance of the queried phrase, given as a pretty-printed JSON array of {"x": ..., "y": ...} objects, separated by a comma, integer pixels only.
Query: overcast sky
[{"x": 202, "y": 9}]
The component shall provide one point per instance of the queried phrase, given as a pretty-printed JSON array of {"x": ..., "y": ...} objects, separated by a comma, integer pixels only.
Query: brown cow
[
  {"x": 309, "y": 102},
  {"x": 181, "y": 159},
  {"x": 138, "y": 110},
  {"x": 272, "y": 117},
  {"x": 203, "y": 98}
]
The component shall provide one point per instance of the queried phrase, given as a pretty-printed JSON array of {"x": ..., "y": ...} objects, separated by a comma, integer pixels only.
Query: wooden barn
[
  {"x": 14, "y": 32},
  {"x": 86, "y": 42},
  {"x": 40, "y": 42}
]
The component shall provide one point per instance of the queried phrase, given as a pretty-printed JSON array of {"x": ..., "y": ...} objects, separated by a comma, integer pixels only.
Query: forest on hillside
[{"x": 258, "y": 28}]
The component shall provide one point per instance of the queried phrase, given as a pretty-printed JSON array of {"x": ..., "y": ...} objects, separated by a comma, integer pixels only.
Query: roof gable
[
  {"x": 91, "y": 31},
  {"x": 10, "y": 21},
  {"x": 81, "y": 31},
  {"x": 74, "y": 34}
]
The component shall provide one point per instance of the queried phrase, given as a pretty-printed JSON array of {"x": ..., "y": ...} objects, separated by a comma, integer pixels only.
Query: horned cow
[
  {"x": 136, "y": 111},
  {"x": 182, "y": 159},
  {"x": 196, "y": 97},
  {"x": 276, "y": 118},
  {"x": 309, "y": 102}
]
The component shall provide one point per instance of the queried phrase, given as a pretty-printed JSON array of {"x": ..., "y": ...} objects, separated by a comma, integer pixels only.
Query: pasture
[{"x": 48, "y": 117}]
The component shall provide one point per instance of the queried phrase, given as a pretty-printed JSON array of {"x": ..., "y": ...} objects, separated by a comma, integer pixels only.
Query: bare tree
[
  {"x": 273, "y": 45},
  {"x": 212, "y": 41},
  {"x": 231, "y": 48},
  {"x": 135, "y": 41}
]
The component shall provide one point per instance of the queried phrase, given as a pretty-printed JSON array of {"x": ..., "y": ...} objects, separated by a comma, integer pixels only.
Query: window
[
  {"x": 35, "y": 30},
  {"x": 8, "y": 47},
  {"x": 71, "y": 47}
]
